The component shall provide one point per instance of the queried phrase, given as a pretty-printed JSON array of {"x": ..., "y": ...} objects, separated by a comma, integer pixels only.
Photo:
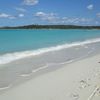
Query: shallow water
[
  {"x": 17, "y": 44},
  {"x": 18, "y": 65},
  {"x": 28, "y": 67}
]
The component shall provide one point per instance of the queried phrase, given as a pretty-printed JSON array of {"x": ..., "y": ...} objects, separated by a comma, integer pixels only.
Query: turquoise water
[
  {"x": 18, "y": 44},
  {"x": 26, "y": 53},
  {"x": 23, "y": 40}
]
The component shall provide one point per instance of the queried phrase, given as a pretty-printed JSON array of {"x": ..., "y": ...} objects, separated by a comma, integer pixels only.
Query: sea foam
[{"x": 9, "y": 57}]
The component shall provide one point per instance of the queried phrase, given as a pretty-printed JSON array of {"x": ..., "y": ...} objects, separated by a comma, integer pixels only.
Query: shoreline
[
  {"x": 74, "y": 81},
  {"x": 4, "y": 58},
  {"x": 20, "y": 71}
]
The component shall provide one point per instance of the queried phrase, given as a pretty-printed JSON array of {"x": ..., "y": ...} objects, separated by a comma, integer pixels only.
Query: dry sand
[{"x": 76, "y": 81}]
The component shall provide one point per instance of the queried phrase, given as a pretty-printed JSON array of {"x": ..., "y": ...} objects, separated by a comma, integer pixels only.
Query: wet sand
[{"x": 79, "y": 80}]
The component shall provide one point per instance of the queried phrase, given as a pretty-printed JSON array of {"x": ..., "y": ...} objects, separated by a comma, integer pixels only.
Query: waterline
[{"x": 7, "y": 58}]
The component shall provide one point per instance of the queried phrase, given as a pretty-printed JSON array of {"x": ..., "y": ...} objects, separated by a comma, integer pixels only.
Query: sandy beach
[
  {"x": 50, "y": 50},
  {"x": 79, "y": 80}
]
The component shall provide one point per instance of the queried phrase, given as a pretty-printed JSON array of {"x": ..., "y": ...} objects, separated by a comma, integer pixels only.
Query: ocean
[
  {"x": 25, "y": 54},
  {"x": 16, "y": 44}
]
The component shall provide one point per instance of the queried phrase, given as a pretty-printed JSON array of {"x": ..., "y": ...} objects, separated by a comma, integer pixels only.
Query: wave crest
[{"x": 7, "y": 58}]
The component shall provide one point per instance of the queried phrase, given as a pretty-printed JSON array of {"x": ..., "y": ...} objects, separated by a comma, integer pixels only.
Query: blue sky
[{"x": 73, "y": 12}]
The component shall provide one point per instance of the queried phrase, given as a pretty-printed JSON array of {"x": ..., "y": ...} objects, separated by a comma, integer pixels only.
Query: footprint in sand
[
  {"x": 75, "y": 96},
  {"x": 98, "y": 92},
  {"x": 84, "y": 84}
]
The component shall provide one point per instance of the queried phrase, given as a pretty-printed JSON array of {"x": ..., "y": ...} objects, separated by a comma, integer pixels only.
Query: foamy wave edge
[{"x": 7, "y": 58}]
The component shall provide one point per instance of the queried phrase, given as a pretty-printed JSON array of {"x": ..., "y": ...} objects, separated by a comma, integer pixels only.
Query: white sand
[{"x": 77, "y": 81}]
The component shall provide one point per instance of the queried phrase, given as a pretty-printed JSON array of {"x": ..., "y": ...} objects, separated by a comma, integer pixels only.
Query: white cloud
[
  {"x": 31, "y": 2},
  {"x": 20, "y": 9},
  {"x": 4, "y": 15},
  {"x": 90, "y": 7},
  {"x": 8, "y": 16},
  {"x": 21, "y": 15},
  {"x": 66, "y": 20},
  {"x": 53, "y": 18},
  {"x": 40, "y": 14}
]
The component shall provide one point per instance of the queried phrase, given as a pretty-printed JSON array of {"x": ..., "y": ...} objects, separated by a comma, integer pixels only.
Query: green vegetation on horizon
[{"x": 52, "y": 27}]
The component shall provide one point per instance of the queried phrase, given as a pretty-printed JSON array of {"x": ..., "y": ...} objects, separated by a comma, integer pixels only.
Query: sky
[{"x": 67, "y": 12}]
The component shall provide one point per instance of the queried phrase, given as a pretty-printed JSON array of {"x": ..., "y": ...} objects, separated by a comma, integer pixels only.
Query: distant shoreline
[{"x": 51, "y": 27}]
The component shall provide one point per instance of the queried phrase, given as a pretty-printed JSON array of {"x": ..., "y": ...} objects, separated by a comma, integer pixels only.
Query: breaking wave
[{"x": 9, "y": 57}]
